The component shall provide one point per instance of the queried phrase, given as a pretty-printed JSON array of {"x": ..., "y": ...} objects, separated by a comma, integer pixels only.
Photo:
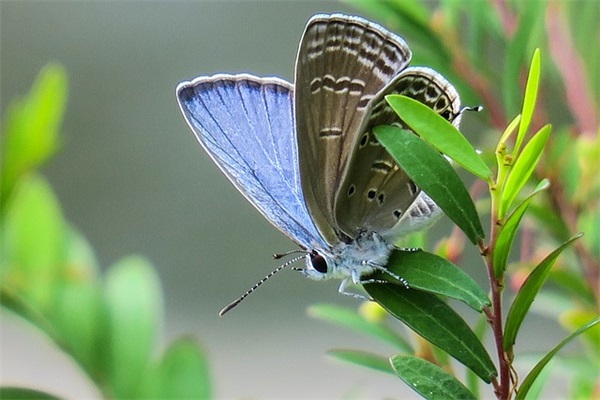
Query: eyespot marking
[{"x": 351, "y": 190}]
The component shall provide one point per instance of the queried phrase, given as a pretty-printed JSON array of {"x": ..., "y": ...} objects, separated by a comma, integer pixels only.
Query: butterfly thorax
[{"x": 354, "y": 259}]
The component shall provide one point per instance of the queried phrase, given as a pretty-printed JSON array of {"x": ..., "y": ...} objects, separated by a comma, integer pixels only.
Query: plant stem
[{"x": 496, "y": 285}]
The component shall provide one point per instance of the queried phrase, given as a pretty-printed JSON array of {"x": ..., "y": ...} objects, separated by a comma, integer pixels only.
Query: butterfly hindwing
[
  {"x": 342, "y": 63},
  {"x": 376, "y": 194},
  {"x": 246, "y": 125}
]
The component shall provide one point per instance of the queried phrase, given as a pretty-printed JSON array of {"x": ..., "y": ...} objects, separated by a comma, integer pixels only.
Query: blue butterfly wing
[{"x": 246, "y": 124}]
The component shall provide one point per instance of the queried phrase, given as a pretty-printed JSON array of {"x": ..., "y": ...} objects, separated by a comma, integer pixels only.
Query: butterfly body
[
  {"x": 353, "y": 260},
  {"x": 305, "y": 155}
]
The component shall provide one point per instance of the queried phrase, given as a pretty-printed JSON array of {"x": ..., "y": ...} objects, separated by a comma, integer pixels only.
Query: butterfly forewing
[
  {"x": 246, "y": 125},
  {"x": 342, "y": 63},
  {"x": 376, "y": 194}
]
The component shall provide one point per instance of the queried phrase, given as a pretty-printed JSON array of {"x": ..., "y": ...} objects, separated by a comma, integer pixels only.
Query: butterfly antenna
[
  {"x": 228, "y": 307},
  {"x": 467, "y": 108},
  {"x": 277, "y": 256}
]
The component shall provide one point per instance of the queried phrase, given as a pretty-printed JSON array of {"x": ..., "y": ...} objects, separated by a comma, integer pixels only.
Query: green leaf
[
  {"x": 363, "y": 359},
  {"x": 183, "y": 373},
  {"x": 531, "y": 90},
  {"x": 535, "y": 372},
  {"x": 429, "y": 380},
  {"x": 79, "y": 321},
  {"x": 439, "y": 133},
  {"x": 16, "y": 393},
  {"x": 516, "y": 53},
  {"x": 134, "y": 304},
  {"x": 32, "y": 126},
  {"x": 541, "y": 383},
  {"x": 435, "y": 321},
  {"x": 431, "y": 273},
  {"x": 474, "y": 383},
  {"x": 432, "y": 173},
  {"x": 33, "y": 243},
  {"x": 509, "y": 229},
  {"x": 527, "y": 293},
  {"x": 79, "y": 316},
  {"x": 348, "y": 318},
  {"x": 523, "y": 168}
]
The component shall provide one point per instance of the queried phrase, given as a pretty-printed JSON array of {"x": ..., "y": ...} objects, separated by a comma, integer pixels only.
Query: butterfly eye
[{"x": 318, "y": 263}]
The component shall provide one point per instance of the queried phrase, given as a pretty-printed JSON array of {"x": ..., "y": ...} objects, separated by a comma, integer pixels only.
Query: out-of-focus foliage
[{"x": 49, "y": 276}]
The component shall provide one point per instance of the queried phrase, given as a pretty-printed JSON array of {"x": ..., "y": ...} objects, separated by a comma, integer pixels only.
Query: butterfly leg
[
  {"x": 342, "y": 290},
  {"x": 408, "y": 249},
  {"x": 386, "y": 271}
]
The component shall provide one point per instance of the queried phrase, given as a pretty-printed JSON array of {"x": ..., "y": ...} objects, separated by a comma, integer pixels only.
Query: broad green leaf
[
  {"x": 431, "y": 273},
  {"x": 16, "y": 393},
  {"x": 33, "y": 243},
  {"x": 79, "y": 316},
  {"x": 473, "y": 382},
  {"x": 429, "y": 380},
  {"x": 434, "y": 174},
  {"x": 134, "y": 303},
  {"x": 523, "y": 168},
  {"x": 439, "y": 133},
  {"x": 531, "y": 90},
  {"x": 528, "y": 292},
  {"x": 79, "y": 319},
  {"x": 32, "y": 125},
  {"x": 363, "y": 359},
  {"x": 435, "y": 321},
  {"x": 509, "y": 230},
  {"x": 183, "y": 373},
  {"x": 535, "y": 372},
  {"x": 350, "y": 319}
]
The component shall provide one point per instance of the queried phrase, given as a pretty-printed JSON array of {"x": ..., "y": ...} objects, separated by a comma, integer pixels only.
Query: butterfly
[{"x": 305, "y": 155}]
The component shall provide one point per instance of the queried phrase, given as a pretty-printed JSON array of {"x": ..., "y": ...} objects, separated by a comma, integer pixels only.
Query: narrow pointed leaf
[
  {"x": 535, "y": 372},
  {"x": 531, "y": 90},
  {"x": 509, "y": 230},
  {"x": 510, "y": 129},
  {"x": 436, "y": 321},
  {"x": 352, "y": 320},
  {"x": 434, "y": 174},
  {"x": 363, "y": 359},
  {"x": 527, "y": 293},
  {"x": 523, "y": 168},
  {"x": 439, "y": 133},
  {"x": 429, "y": 380},
  {"x": 431, "y": 273}
]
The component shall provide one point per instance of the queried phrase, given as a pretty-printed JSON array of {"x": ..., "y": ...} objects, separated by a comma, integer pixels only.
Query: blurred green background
[{"x": 131, "y": 177}]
